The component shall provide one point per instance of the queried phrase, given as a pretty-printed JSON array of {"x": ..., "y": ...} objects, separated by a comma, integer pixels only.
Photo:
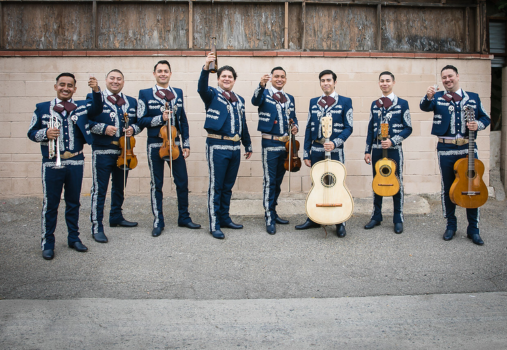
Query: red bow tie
[
  {"x": 384, "y": 101},
  {"x": 116, "y": 100},
  {"x": 452, "y": 96},
  {"x": 230, "y": 96},
  {"x": 64, "y": 106},
  {"x": 326, "y": 101},
  {"x": 279, "y": 97},
  {"x": 165, "y": 94}
]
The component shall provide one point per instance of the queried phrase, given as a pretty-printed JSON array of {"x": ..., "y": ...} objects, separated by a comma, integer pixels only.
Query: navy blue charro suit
[
  {"x": 105, "y": 153},
  {"x": 400, "y": 127},
  {"x": 223, "y": 118},
  {"x": 273, "y": 121},
  {"x": 149, "y": 112},
  {"x": 449, "y": 122},
  {"x": 342, "y": 113},
  {"x": 74, "y": 133}
]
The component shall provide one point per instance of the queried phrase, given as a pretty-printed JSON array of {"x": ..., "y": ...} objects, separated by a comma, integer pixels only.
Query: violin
[
  {"x": 168, "y": 133},
  {"x": 293, "y": 162},
  {"x": 127, "y": 160}
]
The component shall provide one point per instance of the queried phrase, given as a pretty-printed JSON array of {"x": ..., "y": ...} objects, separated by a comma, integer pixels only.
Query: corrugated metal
[{"x": 497, "y": 42}]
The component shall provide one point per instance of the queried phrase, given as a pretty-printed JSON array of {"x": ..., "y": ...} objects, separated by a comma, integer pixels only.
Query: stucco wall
[{"x": 26, "y": 81}]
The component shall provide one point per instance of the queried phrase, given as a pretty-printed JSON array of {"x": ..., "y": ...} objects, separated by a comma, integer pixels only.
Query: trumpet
[{"x": 54, "y": 123}]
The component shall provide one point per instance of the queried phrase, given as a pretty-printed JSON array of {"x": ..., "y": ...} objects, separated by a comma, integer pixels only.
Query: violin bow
[
  {"x": 126, "y": 120},
  {"x": 290, "y": 153}
]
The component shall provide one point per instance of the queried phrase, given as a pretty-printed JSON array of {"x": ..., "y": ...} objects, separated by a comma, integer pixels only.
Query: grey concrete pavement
[
  {"x": 459, "y": 321},
  {"x": 185, "y": 269}
]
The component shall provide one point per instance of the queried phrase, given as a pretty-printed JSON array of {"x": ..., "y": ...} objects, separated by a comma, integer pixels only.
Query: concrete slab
[{"x": 450, "y": 321}]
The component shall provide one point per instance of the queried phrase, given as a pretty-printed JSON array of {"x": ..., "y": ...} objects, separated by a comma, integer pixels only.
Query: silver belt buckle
[{"x": 236, "y": 138}]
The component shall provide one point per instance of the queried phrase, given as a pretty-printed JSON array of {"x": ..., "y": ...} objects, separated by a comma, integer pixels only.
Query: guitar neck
[
  {"x": 328, "y": 153},
  {"x": 384, "y": 150},
  {"x": 471, "y": 151}
]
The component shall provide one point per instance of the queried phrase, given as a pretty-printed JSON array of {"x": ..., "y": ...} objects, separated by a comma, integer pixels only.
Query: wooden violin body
[
  {"x": 385, "y": 183},
  {"x": 168, "y": 133},
  {"x": 329, "y": 200},
  {"x": 127, "y": 159},
  {"x": 293, "y": 162},
  {"x": 468, "y": 189}
]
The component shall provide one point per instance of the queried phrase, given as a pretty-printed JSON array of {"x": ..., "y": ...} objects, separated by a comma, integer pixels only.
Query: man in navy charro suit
[
  {"x": 451, "y": 128},
  {"x": 394, "y": 111},
  {"x": 340, "y": 109},
  {"x": 107, "y": 128},
  {"x": 69, "y": 135},
  {"x": 226, "y": 126},
  {"x": 152, "y": 113},
  {"x": 276, "y": 108}
]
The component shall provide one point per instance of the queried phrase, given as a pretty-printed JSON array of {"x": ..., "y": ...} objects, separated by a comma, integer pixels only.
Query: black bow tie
[{"x": 326, "y": 101}]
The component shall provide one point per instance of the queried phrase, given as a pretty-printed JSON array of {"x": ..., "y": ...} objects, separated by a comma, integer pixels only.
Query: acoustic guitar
[
  {"x": 385, "y": 183},
  {"x": 468, "y": 189},
  {"x": 329, "y": 200}
]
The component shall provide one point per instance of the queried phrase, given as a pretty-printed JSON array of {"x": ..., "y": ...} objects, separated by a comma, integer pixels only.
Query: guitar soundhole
[
  {"x": 471, "y": 174},
  {"x": 385, "y": 170},
  {"x": 328, "y": 180}
]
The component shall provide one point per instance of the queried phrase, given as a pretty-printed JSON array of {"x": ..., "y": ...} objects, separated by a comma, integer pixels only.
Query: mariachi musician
[
  {"x": 107, "y": 128},
  {"x": 61, "y": 127},
  {"x": 276, "y": 108},
  {"x": 152, "y": 113},
  {"x": 315, "y": 147},
  {"x": 394, "y": 111},
  {"x": 451, "y": 128}
]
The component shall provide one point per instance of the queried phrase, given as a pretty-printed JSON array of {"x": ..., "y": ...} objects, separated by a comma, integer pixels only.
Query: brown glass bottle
[{"x": 213, "y": 66}]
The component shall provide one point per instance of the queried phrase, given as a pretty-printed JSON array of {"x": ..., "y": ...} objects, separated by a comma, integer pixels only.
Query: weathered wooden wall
[{"x": 330, "y": 25}]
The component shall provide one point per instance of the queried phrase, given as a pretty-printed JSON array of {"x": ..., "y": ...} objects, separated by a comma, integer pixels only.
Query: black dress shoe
[
  {"x": 48, "y": 254},
  {"x": 371, "y": 224},
  {"x": 217, "y": 234},
  {"x": 281, "y": 221},
  {"x": 398, "y": 227},
  {"x": 308, "y": 224},
  {"x": 449, "y": 234},
  {"x": 476, "y": 238},
  {"x": 340, "y": 230},
  {"x": 80, "y": 247},
  {"x": 190, "y": 224},
  {"x": 123, "y": 223},
  {"x": 100, "y": 237},
  {"x": 232, "y": 225},
  {"x": 271, "y": 229},
  {"x": 157, "y": 231}
]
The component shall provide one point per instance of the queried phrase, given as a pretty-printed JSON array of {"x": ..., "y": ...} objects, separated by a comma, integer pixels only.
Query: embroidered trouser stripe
[
  {"x": 395, "y": 154},
  {"x": 70, "y": 175},
  {"x": 448, "y": 154},
  {"x": 103, "y": 167},
  {"x": 223, "y": 164},
  {"x": 273, "y": 159},
  {"x": 180, "y": 177}
]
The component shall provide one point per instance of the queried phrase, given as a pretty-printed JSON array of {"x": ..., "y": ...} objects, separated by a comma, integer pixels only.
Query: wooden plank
[
  {"x": 478, "y": 29},
  {"x": 303, "y": 19},
  {"x": 467, "y": 29},
  {"x": 190, "y": 24},
  {"x": 286, "y": 29},
  {"x": 1, "y": 27},
  {"x": 330, "y": 27},
  {"x": 45, "y": 26},
  {"x": 379, "y": 27},
  {"x": 431, "y": 30},
  {"x": 484, "y": 48},
  {"x": 143, "y": 26},
  {"x": 295, "y": 27},
  {"x": 95, "y": 25},
  {"x": 239, "y": 26}
]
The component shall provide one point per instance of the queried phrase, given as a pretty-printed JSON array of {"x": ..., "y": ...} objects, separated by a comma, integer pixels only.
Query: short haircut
[
  {"x": 162, "y": 62},
  {"x": 66, "y": 75},
  {"x": 229, "y": 68},
  {"x": 386, "y": 73},
  {"x": 327, "y": 71},
  {"x": 278, "y": 68},
  {"x": 449, "y": 67},
  {"x": 115, "y": 70}
]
